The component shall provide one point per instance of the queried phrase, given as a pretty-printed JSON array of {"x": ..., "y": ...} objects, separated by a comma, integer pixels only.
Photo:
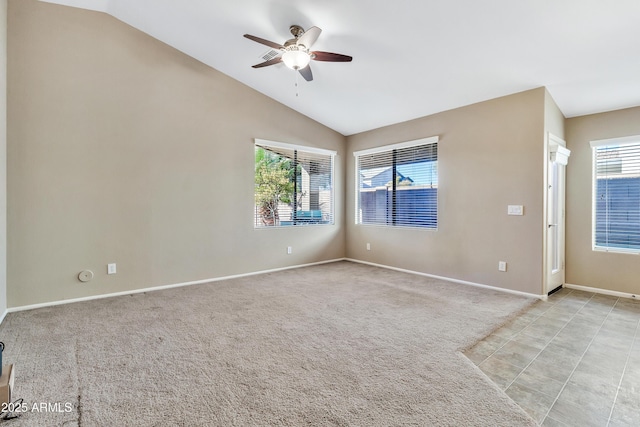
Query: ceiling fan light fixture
[{"x": 296, "y": 59}]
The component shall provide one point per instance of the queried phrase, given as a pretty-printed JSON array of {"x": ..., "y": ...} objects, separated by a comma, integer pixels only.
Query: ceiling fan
[{"x": 296, "y": 53}]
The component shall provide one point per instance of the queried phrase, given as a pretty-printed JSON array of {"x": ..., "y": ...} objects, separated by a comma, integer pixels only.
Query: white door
[{"x": 555, "y": 224}]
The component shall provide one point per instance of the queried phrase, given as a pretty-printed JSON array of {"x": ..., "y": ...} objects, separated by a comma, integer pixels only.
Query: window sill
[
  {"x": 617, "y": 250},
  {"x": 398, "y": 227}
]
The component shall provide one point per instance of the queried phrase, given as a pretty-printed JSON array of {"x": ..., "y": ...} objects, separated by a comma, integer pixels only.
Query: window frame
[
  {"x": 264, "y": 143},
  {"x": 389, "y": 148},
  {"x": 595, "y": 144}
]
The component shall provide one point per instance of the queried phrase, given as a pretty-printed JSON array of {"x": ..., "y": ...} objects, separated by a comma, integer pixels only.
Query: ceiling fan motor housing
[{"x": 296, "y": 30}]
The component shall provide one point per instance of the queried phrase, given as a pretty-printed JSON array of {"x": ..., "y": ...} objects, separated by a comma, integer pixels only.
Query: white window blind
[
  {"x": 397, "y": 185},
  {"x": 616, "y": 225},
  {"x": 293, "y": 185}
]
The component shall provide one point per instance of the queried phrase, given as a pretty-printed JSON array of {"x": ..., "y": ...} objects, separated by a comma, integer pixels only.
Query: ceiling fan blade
[
  {"x": 306, "y": 73},
  {"x": 331, "y": 57},
  {"x": 273, "y": 61},
  {"x": 264, "y": 42},
  {"x": 309, "y": 37}
]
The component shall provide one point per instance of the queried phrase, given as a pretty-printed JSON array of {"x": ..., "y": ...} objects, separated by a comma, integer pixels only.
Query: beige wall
[
  {"x": 121, "y": 149},
  {"x": 3, "y": 156},
  {"x": 615, "y": 272},
  {"x": 490, "y": 155},
  {"x": 553, "y": 118}
]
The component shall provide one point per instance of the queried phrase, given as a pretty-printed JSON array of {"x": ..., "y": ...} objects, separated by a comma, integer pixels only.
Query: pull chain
[{"x": 296, "y": 72}]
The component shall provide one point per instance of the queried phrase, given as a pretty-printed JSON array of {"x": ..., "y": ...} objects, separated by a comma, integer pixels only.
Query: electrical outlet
[
  {"x": 289, "y": 250},
  {"x": 368, "y": 246},
  {"x": 111, "y": 268},
  {"x": 502, "y": 265}
]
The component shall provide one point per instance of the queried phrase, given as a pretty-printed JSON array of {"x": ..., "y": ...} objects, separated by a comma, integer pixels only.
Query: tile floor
[{"x": 573, "y": 360}]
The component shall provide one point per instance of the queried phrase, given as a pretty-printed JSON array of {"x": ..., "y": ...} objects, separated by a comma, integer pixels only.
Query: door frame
[{"x": 555, "y": 152}]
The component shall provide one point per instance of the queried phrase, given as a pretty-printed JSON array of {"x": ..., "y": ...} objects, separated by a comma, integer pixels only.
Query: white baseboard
[
  {"x": 3, "y": 316},
  {"x": 159, "y": 288},
  {"x": 462, "y": 282},
  {"x": 602, "y": 291}
]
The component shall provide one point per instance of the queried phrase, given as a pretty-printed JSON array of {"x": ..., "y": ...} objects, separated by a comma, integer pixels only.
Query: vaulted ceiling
[{"x": 411, "y": 57}]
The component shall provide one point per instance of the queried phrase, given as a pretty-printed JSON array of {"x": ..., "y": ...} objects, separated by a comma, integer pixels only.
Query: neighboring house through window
[
  {"x": 293, "y": 185},
  {"x": 616, "y": 190},
  {"x": 397, "y": 185}
]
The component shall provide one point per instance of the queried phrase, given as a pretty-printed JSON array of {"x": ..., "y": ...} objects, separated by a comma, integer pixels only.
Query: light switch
[{"x": 515, "y": 210}]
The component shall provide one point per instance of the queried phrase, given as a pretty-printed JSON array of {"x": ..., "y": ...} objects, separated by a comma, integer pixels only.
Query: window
[
  {"x": 293, "y": 185},
  {"x": 616, "y": 189},
  {"x": 397, "y": 185}
]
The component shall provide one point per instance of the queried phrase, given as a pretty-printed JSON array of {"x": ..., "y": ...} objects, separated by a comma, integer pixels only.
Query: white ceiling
[{"x": 411, "y": 57}]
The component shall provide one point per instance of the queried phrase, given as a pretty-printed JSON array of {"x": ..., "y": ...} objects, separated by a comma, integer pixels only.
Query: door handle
[{"x": 553, "y": 225}]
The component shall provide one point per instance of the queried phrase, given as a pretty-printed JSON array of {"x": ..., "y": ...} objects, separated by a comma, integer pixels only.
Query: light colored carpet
[{"x": 334, "y": 344}]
